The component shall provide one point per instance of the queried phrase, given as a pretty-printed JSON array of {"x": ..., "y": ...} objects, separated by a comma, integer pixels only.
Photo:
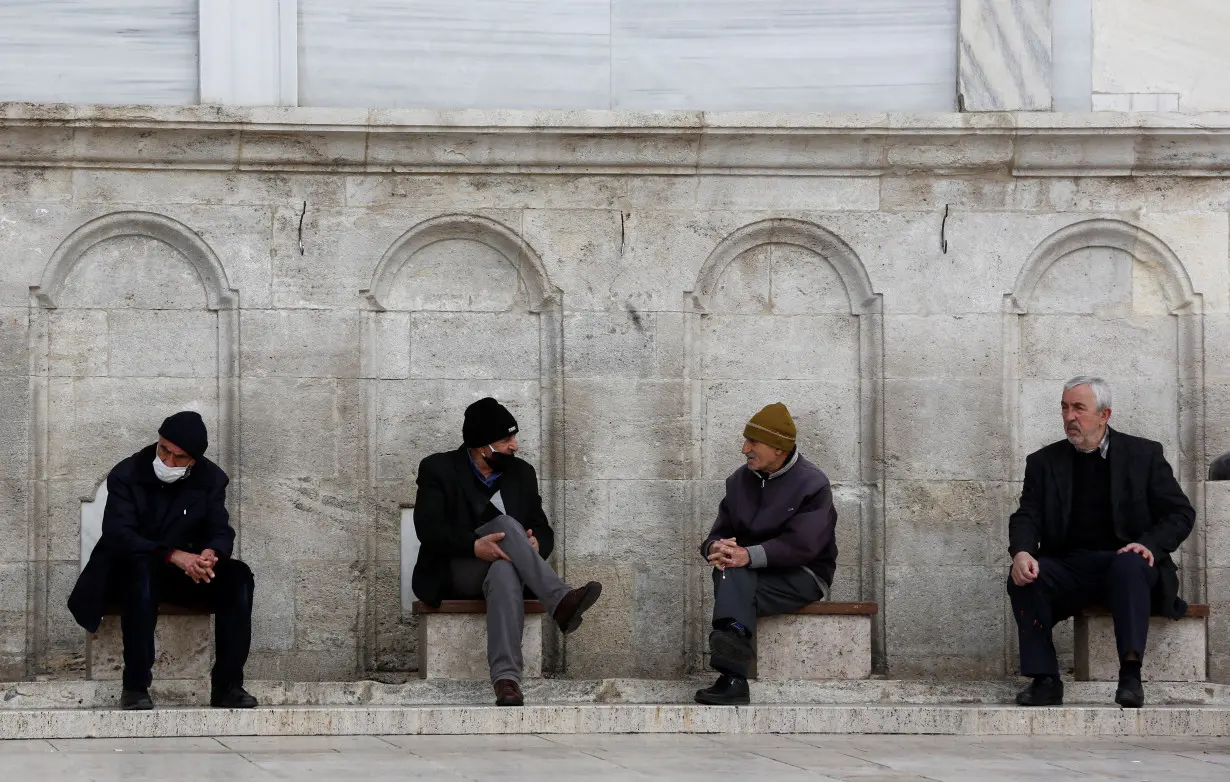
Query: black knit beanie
[
  {"x": 186, "y": 430},
  {"x": 487, "y": 421}
]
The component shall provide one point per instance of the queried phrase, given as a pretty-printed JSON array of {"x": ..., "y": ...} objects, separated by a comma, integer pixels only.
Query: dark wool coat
[
  {"x": 194, "y": 519},
  {"x": 1147, "y": 507},
  {"x": 790, "y": 514},
  {"x": 451, "y": 503}
]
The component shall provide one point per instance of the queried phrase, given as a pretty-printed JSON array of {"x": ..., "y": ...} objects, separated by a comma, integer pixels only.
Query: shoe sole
[
  {"x": 510, "y": 703},
  {"x": 587, "y": 602},
  {"x": 138, "y": 708},
  {"x": 1129, "y": 703},
  {"x": 722, "y": 646},
  {"x": 707, "y": 701}
]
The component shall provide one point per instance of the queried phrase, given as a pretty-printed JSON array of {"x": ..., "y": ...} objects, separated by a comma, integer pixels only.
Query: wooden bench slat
[
  {"x": 470, "y": 607},
  {"x": 827, "y": 608},
  {"x": 166, "y": 609},
  {"x": 1198, "y": 610}
]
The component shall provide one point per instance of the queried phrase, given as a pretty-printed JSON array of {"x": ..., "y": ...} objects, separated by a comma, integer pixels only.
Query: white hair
[{"x": 1101, "y": 389}]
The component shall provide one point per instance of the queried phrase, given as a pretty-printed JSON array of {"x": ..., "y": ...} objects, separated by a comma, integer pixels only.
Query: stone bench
[
  {"x": 1176, "y": 651},
  {"x": 822, "y": 640},
  {"x": 183, "y": 644},
  {"x": 453, "y": 639}
]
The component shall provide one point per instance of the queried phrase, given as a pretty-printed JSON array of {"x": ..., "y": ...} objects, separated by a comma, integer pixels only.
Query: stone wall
[{"x": 332, "y": 288}]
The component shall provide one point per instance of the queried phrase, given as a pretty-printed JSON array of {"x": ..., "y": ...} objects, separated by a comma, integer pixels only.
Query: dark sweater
[
  {"x": 790, "y": 515},
  {"x": 1091, "y": 526}
]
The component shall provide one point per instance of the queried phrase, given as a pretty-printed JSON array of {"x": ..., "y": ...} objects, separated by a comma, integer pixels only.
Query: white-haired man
[{"x": 1100, "y": 514}]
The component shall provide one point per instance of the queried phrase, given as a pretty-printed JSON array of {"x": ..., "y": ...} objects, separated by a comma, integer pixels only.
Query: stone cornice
[{"x": 613, "y": 142}]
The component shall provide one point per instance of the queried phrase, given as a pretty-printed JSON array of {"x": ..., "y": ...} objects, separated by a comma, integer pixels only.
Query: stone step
[
  {"x": 966, "y": 720},
  {"x": 70, "y": 694}
]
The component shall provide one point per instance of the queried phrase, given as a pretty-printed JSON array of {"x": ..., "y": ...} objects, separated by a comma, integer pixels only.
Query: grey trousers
[
  {"x": 502, "y": 585},
  {"x": 745, "y": 594}
]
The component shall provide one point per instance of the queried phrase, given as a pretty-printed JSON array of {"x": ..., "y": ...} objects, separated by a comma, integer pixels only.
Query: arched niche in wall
[
  {"x": 783, "y": 310},
  {"x": 460, "y": 307},
  {"x": 1105, "y": 297},
  {"x": 132, "y": 320}
]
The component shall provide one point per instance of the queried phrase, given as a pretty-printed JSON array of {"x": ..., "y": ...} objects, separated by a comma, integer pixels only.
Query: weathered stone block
[
  {"x": 802, "y": 646},
  {"x": 623, "y": 344},
  {"x": 947, "y": 522},
  {"x": 923, "y": 443},
  {"x": 328, "y": 605},
  {"x": 796, "y": 347},
  {"x": 184, "y": 649},
  {"x": 77, "y": 343},
  {"x": 454, "y": 646},
  {"x": 300, "y": 343},
  {"x": 945, "y": 620},
  {"x": 1176, "y": 651},
  {"x": 132, "y": 271},
  {"x": 154, "y": 343},
  {"x": 1137, "y": 347},
  {"x": 447, "y": 345},
  {"x": 625, "y": 429},
  {"x": 943, "y": 346},
  {"x": 459, "y": 275},
  {"x": 292, "y": 427},
  {"x": 300, "y": 519},
  {"x": 1216, "y": 519},
  {"x": 14, "y": 518}
]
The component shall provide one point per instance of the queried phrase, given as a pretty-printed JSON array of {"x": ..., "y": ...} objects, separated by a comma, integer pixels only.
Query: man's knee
[
  {"x": 506, "y": 524},
  {"x": 1129, "y": 566},
  {"x": 501, "y": 579},
  {"x": 236, "y": 578}
]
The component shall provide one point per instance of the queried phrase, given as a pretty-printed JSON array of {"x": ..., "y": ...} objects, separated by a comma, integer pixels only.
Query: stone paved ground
[{"x": 595, "y": 758}]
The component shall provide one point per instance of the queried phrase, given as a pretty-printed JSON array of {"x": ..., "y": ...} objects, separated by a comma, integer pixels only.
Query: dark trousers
[
  {"x": 503, "y": 584},
  {"x": 745, "y": 594},
  {"x": 140, "y": 584},
  {"x": 1068, "y": 583}
]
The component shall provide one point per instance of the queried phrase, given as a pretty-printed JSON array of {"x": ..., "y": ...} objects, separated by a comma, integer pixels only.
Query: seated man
[
  {"x": 772, "y": 547},
  {"x": 1100, "y": 514},
  {"x": 479, "y": 518},
  {"x": 167, "y": 538}
]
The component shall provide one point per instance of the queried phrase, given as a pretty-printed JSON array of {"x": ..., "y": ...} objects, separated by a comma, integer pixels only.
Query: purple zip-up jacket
[{"x": 784, "y": 520}]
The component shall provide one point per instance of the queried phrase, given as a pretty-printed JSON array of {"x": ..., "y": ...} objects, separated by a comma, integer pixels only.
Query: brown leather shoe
[
  {"x": 508, "y": 693},
  {"x": 578, "y": 601}
]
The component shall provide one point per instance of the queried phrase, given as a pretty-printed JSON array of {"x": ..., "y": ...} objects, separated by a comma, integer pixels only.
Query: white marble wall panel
[
  {"x": 1071, "y": 55},
  {"x": 444, "y": 54},
  {"x": 796, "y": 55},
  {"x": 1179, "y": 46},
  {"x": 1005, "y": 55},
  {"x": 83, "y": 51}
]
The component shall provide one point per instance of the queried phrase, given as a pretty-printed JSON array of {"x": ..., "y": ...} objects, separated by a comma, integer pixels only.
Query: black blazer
[
  {"x": 1147, "y": 507},
  {"x": 197, "y": 520},
  {"x": 450, "y": 505}
]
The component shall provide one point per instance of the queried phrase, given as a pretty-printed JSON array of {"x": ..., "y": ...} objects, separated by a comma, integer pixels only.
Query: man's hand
[
  {"x": 529, "y": 533},
  {"x": 1024, "y": 568},
  {"x": 209, "y": 557},
  {"x": 192, "y": 565},
  {"x": 1139, "y": 549},
  {"x": 736, "y": 556},
  {"x": 719, "y": 550},
  {"x": 487, "y": 548}
]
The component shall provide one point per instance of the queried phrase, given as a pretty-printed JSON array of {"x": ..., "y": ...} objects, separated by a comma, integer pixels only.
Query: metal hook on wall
[
  {"x": 301, "y": 216},
  {"x": 943, "y": 226}
]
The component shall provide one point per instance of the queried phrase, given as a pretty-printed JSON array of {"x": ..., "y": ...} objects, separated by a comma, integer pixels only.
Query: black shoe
[
  {"x": 231, "y": 698},
  {"x": 578, "y": 601},
  {"x": 135, "y": 700},
  {"x": 1044, "y": 691},
  {"x": 726, "y": 691},
  {"x": 508, "y": 693},
  {"x": 730, "y": 649},
  {"x": 1131, "y": 693}
]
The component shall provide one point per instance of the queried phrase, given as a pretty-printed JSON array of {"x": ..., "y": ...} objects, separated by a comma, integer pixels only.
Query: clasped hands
[
  {"x": 726, "y": 553},
  {"x": 199, "y": 567},
  {"x": 1025, "y": 567},
  {"x": 487, "y": 548}
]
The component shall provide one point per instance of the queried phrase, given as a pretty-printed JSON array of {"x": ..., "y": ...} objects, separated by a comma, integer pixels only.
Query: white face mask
[{"x": 168, "y": 474}]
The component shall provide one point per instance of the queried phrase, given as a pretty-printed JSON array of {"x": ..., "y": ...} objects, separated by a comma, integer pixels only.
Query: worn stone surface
[
  {"x": 454, "y": 646},
  {"x": 796, "y": 646},
  {"x": 633, "y": 286},
  {"x": 1176, "y": 651},
  {"x": 184, "y": 649}
]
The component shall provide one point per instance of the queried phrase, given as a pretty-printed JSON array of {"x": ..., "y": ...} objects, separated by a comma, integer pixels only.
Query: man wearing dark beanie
[
  {"x": 167, "y": 538},
  {"x": 483, "y": 534},
  {"x": 772, "y": 547}
]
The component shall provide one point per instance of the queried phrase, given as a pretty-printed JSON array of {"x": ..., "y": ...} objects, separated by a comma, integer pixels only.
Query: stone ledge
[
  {"x": 417, "y": 692},
  {"x": 465, "y": 720},
  {"x": 595, "y": 142}
]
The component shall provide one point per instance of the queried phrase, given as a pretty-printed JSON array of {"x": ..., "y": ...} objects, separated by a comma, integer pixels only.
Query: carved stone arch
[
  {"x": 1117, "y": 235},
  {"x": 1182, "y": 303},
  {"x": 218, "y": 293},
  {"x": 865, "y": 489},
  {"x": 399, "y": 395},
  {"x": 784, "y": 230},
  {"x": 61, "y": 490},
  {"x": 499, "y": 237}
]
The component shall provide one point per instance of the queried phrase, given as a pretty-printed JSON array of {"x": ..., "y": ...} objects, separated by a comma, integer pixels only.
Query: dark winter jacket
[
  {"x": 1147, "y": 507},
  {"x": 788, "y": 515},
  {"x": 452, "y": 503},
  {"x": 145, "y": 517}
]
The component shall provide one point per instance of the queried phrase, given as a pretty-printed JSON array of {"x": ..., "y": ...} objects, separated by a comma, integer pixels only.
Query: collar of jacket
[
  {"x": 1103, "y": 446},
  {"x": 768, "y": 476}
]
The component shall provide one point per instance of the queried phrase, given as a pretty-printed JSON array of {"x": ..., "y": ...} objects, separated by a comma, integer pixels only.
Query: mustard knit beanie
[{"x": 772, "y": 426}]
